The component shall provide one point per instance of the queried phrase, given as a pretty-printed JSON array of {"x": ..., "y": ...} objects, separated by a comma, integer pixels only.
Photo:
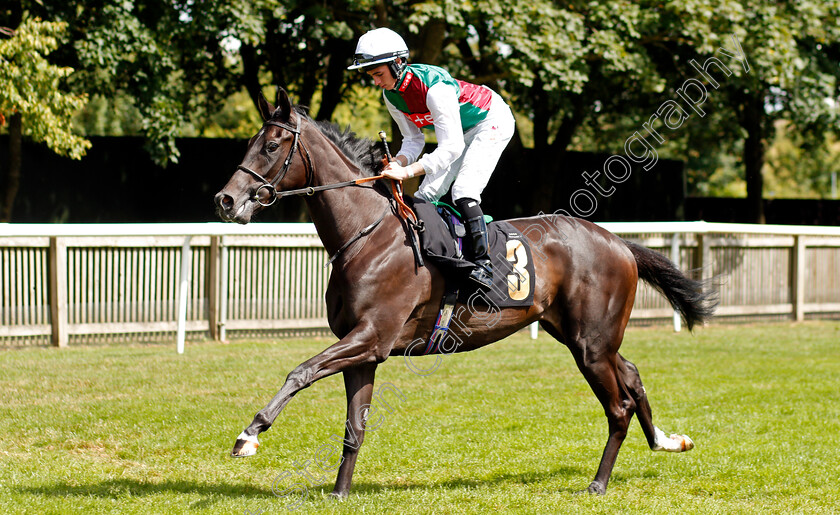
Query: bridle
[
  {"x": 271, "y": 187},
  {"x": 402, "y": 210},
  {"x": 309, "y": 190}
]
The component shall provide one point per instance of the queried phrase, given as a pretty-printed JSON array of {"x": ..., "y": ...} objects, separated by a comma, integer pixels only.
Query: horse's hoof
[
  {"x": 338, "y": 496},
  {"x": 593, "y": 489},
  {"x": 673, "y": 443},
  {"x": 686, "y": 443},
  {"x": 245, "y": 446}
]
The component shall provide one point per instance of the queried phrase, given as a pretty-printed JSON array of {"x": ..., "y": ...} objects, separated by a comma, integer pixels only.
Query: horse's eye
[{"x": 271, "y": 146}]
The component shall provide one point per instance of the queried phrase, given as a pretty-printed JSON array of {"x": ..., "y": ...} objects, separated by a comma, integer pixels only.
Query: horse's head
[{"x": 273, "y": 162}]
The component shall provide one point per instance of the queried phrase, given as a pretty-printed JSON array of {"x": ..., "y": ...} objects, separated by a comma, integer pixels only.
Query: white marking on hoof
[
  {"x": 673, "y": 443},
  {"x": 245, "y": 446}
]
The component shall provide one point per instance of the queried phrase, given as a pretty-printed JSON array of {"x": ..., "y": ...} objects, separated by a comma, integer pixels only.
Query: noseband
[{"x": 271, "y": 187}]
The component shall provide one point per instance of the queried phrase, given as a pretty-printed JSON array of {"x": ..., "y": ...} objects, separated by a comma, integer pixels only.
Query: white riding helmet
[{"x": 380, "y": 46}]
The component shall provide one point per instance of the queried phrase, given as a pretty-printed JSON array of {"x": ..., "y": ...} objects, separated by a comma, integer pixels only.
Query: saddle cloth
[{"x": 513, "y": 268}]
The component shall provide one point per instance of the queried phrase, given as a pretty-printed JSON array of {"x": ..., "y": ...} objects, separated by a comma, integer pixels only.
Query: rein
[
  {"x": 271, "y": 187},
  {"x": 361, "y": 234},
  {"x": 308, "y": 191},
  {"x": 402, "y": 210}
]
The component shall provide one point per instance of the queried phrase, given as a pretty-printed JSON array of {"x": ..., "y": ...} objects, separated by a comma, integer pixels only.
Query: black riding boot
[{"x": 477, "y": 231}]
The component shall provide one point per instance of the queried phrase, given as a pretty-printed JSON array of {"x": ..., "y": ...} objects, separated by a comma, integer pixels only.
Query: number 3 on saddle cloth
[{"x": 442, "y": 243}]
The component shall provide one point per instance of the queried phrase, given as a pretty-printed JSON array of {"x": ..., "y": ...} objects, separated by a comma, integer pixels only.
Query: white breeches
[{"x": 469, "y": 174}]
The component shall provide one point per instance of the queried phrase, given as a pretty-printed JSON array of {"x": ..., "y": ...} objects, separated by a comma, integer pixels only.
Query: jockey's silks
[{"x": 414, "y": 84}]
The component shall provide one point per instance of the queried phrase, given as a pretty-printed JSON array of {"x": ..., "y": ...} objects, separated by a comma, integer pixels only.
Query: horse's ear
[
  {"x": 284, "y": 103},
  {"x": 266, "y": 109}
]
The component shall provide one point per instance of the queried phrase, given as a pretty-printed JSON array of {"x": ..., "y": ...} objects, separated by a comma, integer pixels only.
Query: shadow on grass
[
  {"x": 212, "y": 493},
  {"x": 117, "y": 488},
  {"x": 361, "y": 487}
]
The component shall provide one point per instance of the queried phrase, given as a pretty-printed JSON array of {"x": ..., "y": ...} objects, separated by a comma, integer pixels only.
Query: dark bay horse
[{"x": 379, "y": 301}]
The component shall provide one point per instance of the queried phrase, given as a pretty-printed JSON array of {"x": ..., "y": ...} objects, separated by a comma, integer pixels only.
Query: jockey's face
[{"x": 383, "y": 77}]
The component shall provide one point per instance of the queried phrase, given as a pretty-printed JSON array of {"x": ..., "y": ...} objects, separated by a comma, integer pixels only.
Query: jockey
[{"x": 473, "y": 125}]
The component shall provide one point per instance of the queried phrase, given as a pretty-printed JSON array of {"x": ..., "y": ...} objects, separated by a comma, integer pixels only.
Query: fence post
[
  {"x": 675, "y": 258},
  {"x": 798, "y": 278},
  {"x": 58, "y": 291},
  {"x": 223, "y": 289},
  {"x": 213, "y": 288},
  {"x": 183, "y": 293},
  {"x": 705, "y": 250}
]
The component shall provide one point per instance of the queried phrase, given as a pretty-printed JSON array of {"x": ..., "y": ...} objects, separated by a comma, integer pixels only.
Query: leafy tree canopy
[
  {"x": 33, "y": 88},
  {"x": 579, "y": 73}
]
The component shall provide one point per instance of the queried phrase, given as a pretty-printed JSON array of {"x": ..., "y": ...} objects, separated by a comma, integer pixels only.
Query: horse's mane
[{"x": 363, "y": 152}]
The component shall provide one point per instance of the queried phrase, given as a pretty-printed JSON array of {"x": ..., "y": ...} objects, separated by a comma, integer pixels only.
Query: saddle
[{"x": 442, "y": 243}]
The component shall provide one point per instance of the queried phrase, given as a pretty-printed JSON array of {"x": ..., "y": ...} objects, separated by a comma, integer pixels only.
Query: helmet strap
[{"x": 397, "y": 68}]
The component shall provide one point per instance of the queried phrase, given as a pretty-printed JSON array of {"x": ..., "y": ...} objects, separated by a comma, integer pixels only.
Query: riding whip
[
  {"x": 405, "y": 211},
  {"x": 384, "y": 139}
]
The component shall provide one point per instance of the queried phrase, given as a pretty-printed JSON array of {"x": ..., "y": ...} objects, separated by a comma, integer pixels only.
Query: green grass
[{"x": 512, "y": 428}]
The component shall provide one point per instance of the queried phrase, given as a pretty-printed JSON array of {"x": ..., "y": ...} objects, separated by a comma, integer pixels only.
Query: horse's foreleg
[
  {"x": 301, "y": 377},
  {"x": 358, "y": 382},
  {"x": 656, "y": 438},
  {"x": 359, "y": 347}
]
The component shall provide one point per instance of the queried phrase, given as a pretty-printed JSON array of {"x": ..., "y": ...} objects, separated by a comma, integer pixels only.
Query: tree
[
  {"x": 33, "y": 100},
  {"x": 305, "y": 47},
  {"x": 798, "y": 167},
  {"x": 178, "y": 61},
  {"x": 576, "y": 72},
  {"x": 559, "y": 64},
  {"x": 144, "y": 50},
  {"x": 791, "y": 73}
]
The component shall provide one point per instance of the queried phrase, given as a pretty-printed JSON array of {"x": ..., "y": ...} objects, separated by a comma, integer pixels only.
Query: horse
[{"x": 379, "y": 300}]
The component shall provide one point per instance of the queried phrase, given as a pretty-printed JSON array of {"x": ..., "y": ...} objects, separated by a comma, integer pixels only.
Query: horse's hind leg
[
  {"x": 599, "y": 363},
  {"x": 656, "y": 438}
]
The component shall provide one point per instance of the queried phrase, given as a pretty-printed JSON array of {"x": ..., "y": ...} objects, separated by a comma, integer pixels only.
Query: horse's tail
[{"x": 694, "y": 302}]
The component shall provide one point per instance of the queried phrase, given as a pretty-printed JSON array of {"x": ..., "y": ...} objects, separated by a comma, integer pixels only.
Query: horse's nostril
[{"x": 224, "y": 201}]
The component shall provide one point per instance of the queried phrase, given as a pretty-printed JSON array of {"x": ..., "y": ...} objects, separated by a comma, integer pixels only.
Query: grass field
[{"x": 512, "y": 428}]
